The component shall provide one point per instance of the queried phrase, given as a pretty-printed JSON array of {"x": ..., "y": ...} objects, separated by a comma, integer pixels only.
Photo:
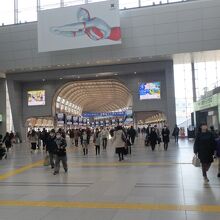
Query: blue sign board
[{"x": 103, "y": 114}]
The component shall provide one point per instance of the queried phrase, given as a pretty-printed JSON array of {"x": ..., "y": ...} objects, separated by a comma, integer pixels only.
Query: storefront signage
[{"x": 206, "y": 103}]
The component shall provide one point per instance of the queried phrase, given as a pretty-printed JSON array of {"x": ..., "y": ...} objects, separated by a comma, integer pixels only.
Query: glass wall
[
  {"x": 26, "y": 10},
  {"x": 207, "y": 77},
  {"x": 6, "y": 12},
  {"x": 183, "y": 94},
  {"x": 47, "y": 4}
]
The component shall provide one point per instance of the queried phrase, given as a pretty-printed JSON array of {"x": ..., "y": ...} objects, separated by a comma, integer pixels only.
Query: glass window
[
  {"x": 47, "y": 4},
  {"x": 183, "y": 94},
  {"x": 123, "y": 4},
  {"x": 91, "y": 1},
  {"x": 151, "y": 2},
  {"x": 73, "y": 2},
  {"x": 6, "y": 12},
  {"x": 27, "y": 10}
]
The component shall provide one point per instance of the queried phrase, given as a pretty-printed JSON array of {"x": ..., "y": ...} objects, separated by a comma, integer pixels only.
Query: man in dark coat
[
  {"x": 51, "y": 147},
  {"x": 204, "y": 147},
  {"x": 166, "y": 137}
]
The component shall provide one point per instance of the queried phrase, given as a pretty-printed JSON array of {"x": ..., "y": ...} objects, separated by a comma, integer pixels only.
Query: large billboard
[
  {"x": 149, "y": 90},
  {"x": 88, "y": 25},
  {"x": 36, "y": 97}
]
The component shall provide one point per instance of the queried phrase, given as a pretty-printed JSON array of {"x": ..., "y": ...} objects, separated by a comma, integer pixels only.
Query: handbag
[
  {"x": 46, "y": 160},
  {"x": 196, "y": 161}
]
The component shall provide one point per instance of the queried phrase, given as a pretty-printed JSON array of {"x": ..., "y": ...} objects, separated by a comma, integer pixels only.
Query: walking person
[
  {"x": 104, "y": 135},
  {"x": 71, "y": 135},
  {"x": 119, "y": 141},
  {"x": 218, "y": 153},
  {"x": 175, "y": 133},
  {"x": 7, "y": 141},
  {"x": 97, "y": 141},
  {"x": 132, "y": 134},
  {"x": 204, "y": 147},
  {"x": 84, "y": 142},
  {"x": 153, "y": 138},
  {"x": 33, "y": 138},
  {"x": 60, "y": 154},
  {"x": 166, "y": 137},
  {"x": 51, "y": 147},
  {"x": 76, "y": 137}
]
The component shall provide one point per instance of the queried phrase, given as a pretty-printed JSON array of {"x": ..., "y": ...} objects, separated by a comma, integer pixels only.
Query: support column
[
  {"x": 194, "y": 93},
  {"x": 193, "y": 82},
  {"x": 38, "y": 5},
  {"x": 3, "y": 105},
  {"x": 15, "y": 11},
  {"x": 61, "y": 3}
]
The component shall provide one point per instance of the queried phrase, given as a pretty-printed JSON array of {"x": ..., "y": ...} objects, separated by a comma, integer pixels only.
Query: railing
[{"x": 22, "y": 15}]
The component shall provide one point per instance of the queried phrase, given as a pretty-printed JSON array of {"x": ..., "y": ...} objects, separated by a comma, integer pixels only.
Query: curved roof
[{"x": 97, "y": 95}]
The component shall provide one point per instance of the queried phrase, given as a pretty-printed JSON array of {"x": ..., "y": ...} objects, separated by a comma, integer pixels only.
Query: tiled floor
[{"x": 146, "y": 186}]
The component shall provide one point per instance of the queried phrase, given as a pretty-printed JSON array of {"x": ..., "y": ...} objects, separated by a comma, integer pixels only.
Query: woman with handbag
[{"x": 204, "y": 147}]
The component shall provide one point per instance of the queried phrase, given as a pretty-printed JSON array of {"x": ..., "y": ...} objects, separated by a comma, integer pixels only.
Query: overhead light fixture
[
  {"x": 43, "y": 80},
  {"x": 61, "y": 78},
  {"x": 115, "y": 74},
  {"x": 135, "y": 72}
]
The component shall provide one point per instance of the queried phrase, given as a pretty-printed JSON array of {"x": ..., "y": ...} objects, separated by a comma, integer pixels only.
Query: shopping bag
[
  {"x": 196, "y": 161},
  {"x": 46, "y": 160}
]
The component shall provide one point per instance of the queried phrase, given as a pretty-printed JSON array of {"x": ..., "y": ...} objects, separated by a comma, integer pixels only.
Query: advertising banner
[
  {"x": 36, "y": 97},
  {"x": 69, "y": 119},
  {"x": 84, "y": 121},
  {"x": 93, "y": 124},
  {"x": 106, "y": 123},
  {"x": 80, "y": 121},
  {"x": 113, "y": 122},
  {"x": 60, "y": 119},
  {"x": 75, "y": 120},
  {"x": 88, "y": 25},
  {"x": 97, "y": 123}
]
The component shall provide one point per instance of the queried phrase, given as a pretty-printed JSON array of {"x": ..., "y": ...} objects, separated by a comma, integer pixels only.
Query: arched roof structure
[{"x": 95, "y": 95}]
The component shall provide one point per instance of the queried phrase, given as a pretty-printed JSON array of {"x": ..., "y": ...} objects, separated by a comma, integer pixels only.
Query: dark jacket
[
  {"x": 176, "y": 131},
  {"x": 166, "y": 135},
  {"x": 131, "y": 132},
  {"x": 218, "y": 147},
  {"x": 51, "y": 145},
  {"x": 61, "y": 147},
  {"x": 153, "y": 137},
  {"x": 204, "y": 146}
]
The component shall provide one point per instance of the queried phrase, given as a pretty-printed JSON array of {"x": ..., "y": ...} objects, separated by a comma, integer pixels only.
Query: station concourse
[{"x": 134, "y": 74}]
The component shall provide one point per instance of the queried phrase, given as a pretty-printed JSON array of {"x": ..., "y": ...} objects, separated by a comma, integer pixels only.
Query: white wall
[{"x": 146, "y": 32}]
